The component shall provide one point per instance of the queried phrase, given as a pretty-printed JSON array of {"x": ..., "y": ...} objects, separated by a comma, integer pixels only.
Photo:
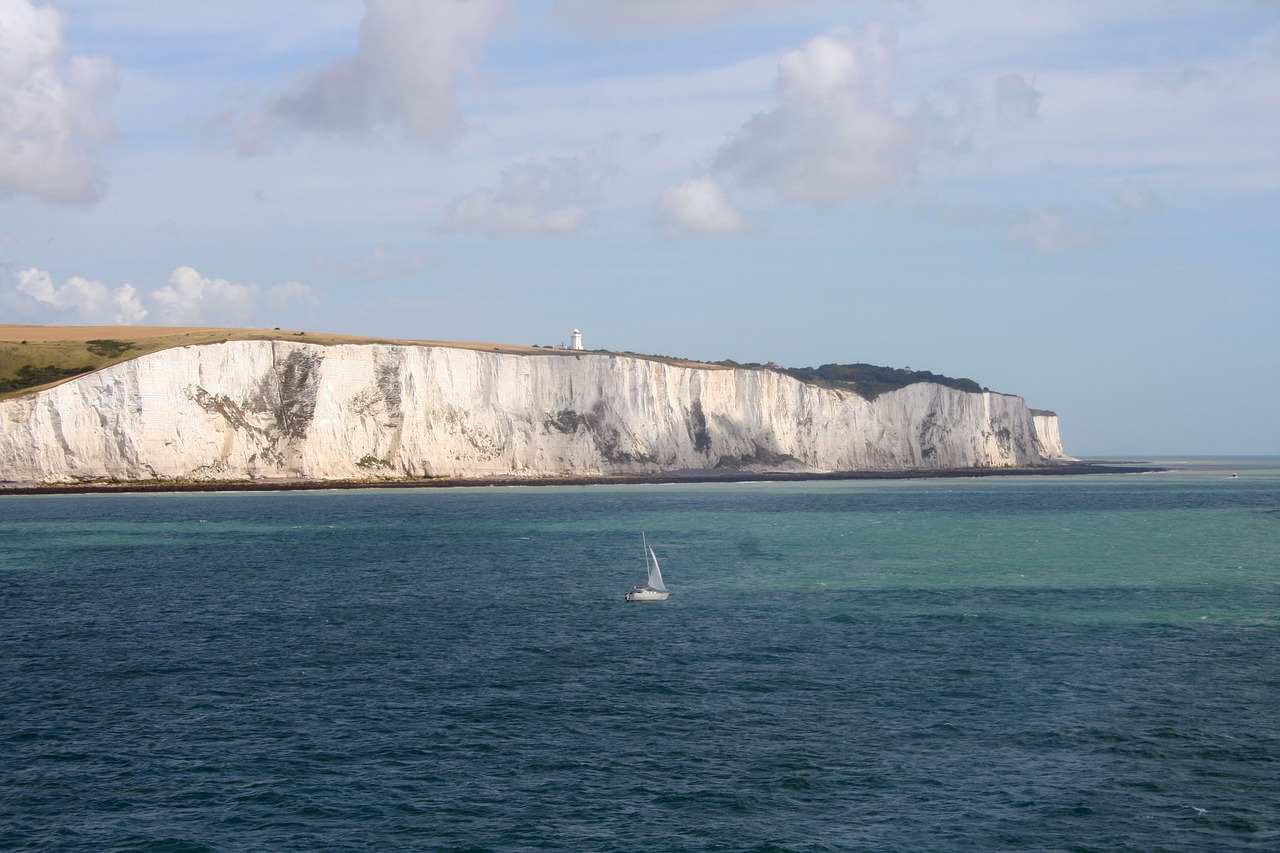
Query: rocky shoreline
[{"x": 694, "y": 476}]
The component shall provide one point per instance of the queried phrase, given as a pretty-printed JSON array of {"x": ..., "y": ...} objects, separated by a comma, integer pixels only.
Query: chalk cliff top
[
  {"x": 53, "y": 354},
  {"x": 36, "y": 357}
]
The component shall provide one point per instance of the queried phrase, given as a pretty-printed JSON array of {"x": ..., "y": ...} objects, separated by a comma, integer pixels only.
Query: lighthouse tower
[{"x": 575, "y": 342}]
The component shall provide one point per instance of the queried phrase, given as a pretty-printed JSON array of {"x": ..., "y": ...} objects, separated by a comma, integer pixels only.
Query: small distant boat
[
  {"x": 1234, "y": 477},
  {"x": 655, "y": 589}
]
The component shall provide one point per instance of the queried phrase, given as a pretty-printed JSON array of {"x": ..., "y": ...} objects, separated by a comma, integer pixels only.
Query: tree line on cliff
[{"x": 866, "y": 380}]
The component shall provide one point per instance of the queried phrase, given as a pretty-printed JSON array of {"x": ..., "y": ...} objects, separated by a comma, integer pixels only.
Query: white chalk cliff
[{"x": 262, "y": 409}]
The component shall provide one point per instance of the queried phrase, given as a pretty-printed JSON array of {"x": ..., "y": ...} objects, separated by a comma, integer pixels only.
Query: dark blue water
[{"x": 1075, "y": 663}]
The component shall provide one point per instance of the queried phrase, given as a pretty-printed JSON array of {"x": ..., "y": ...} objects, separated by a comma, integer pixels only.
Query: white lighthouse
[{"x": 575, "y": 342}]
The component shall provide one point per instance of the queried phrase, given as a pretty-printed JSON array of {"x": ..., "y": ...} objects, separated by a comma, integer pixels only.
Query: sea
[{"x": 1029, "y": 663}]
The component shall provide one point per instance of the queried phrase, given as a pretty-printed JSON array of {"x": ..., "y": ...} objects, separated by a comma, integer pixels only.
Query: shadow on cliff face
[{"x": 298, "y": 381}]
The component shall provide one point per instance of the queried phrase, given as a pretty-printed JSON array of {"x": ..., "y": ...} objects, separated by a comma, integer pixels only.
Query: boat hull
[{"x": 645, "y": 594}]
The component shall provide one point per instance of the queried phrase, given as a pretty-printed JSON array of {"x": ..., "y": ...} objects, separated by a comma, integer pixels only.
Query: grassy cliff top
[{"x": 36, "y": 357}]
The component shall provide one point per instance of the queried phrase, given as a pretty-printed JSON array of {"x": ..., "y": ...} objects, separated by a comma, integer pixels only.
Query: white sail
[{"x": 655, "y": 574}]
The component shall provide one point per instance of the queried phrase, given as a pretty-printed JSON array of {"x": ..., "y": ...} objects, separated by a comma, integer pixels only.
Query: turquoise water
[{"x": 1048, "y": 663}]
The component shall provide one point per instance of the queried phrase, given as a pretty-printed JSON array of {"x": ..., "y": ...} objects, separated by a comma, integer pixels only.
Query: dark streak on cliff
[
  {"x": 299, "y": 382},
  {"x": 698, "y": 428}
]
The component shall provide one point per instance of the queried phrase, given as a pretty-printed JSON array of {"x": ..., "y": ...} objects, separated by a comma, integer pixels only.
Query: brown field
[
  {"x": 62, "y": 334},
  {"x": 177, "y": 336},
  {"x": 81, "y": 348}
]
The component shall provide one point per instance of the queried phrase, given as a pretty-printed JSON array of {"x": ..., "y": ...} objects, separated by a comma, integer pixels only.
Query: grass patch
[
  {"x": 36, "y": 357},
  {"x": 30, "y": 376},
  {"x": 109, "y": 348},
  {"x": 52, "y": 354},
  {"x": 47, "y": 355}
]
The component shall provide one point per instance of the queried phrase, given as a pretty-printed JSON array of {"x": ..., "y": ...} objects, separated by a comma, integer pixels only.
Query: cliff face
[
  {"x": 1046, "y": 427},
  {"x": 258, "y": 409}
]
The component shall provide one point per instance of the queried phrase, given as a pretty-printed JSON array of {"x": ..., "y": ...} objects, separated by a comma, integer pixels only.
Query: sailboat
[{"x": 655, "y": 589}]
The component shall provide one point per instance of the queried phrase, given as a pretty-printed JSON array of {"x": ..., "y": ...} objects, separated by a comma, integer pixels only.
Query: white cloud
[
  {"x": 188, "y": 299},
  {"x": 80, "y": 300},
  {"x": 840, "y": 132},
  {"x": 696, "y": 207},
  {"x": 50, "y": 124},
  {"x": 193, "y": 299},
  {"x": 834, "y": 135},
  {"x": 535, "y": 198},
  {"x": 402, "y": 76},
  {"x": 128, "y": 304}
]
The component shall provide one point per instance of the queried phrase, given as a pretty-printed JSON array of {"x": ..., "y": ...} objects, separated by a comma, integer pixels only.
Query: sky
[{"x": 1077, "y": 202}]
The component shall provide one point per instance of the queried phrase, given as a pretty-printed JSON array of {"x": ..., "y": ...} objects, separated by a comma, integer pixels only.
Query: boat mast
[{"x": 644, "y": 541}]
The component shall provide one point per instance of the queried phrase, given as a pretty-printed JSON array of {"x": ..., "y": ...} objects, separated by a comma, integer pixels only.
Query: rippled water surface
[{"x": 1026, "y": 663}]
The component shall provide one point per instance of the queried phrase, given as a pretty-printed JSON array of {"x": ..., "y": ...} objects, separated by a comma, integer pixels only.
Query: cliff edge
[{"x": 256, "y": 409}]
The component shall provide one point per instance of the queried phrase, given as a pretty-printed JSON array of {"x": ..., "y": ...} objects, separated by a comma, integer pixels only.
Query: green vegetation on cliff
[
  {"x": 34, "y": 357},
  {"x": 866, "y": 380},
  {"x": 29, "y": 376},
  {"x": 20, "y": 368}
]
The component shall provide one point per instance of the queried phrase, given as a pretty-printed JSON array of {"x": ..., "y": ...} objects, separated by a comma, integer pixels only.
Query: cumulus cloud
[
  {"x": 380, "y": 264},
  {"x": 188, "y": 299},
  {"x": 80, "y": 300},
  {"x": 191, "y": 299},
  {"x": 402, "y": 76},
  {"x": 535, "y": 198},
  {"x": 50, "y": 123},
  {"x": 837, "y": 134},
  {"x": 834, "y": 135},
  {"x": 697, "y": 207}
]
